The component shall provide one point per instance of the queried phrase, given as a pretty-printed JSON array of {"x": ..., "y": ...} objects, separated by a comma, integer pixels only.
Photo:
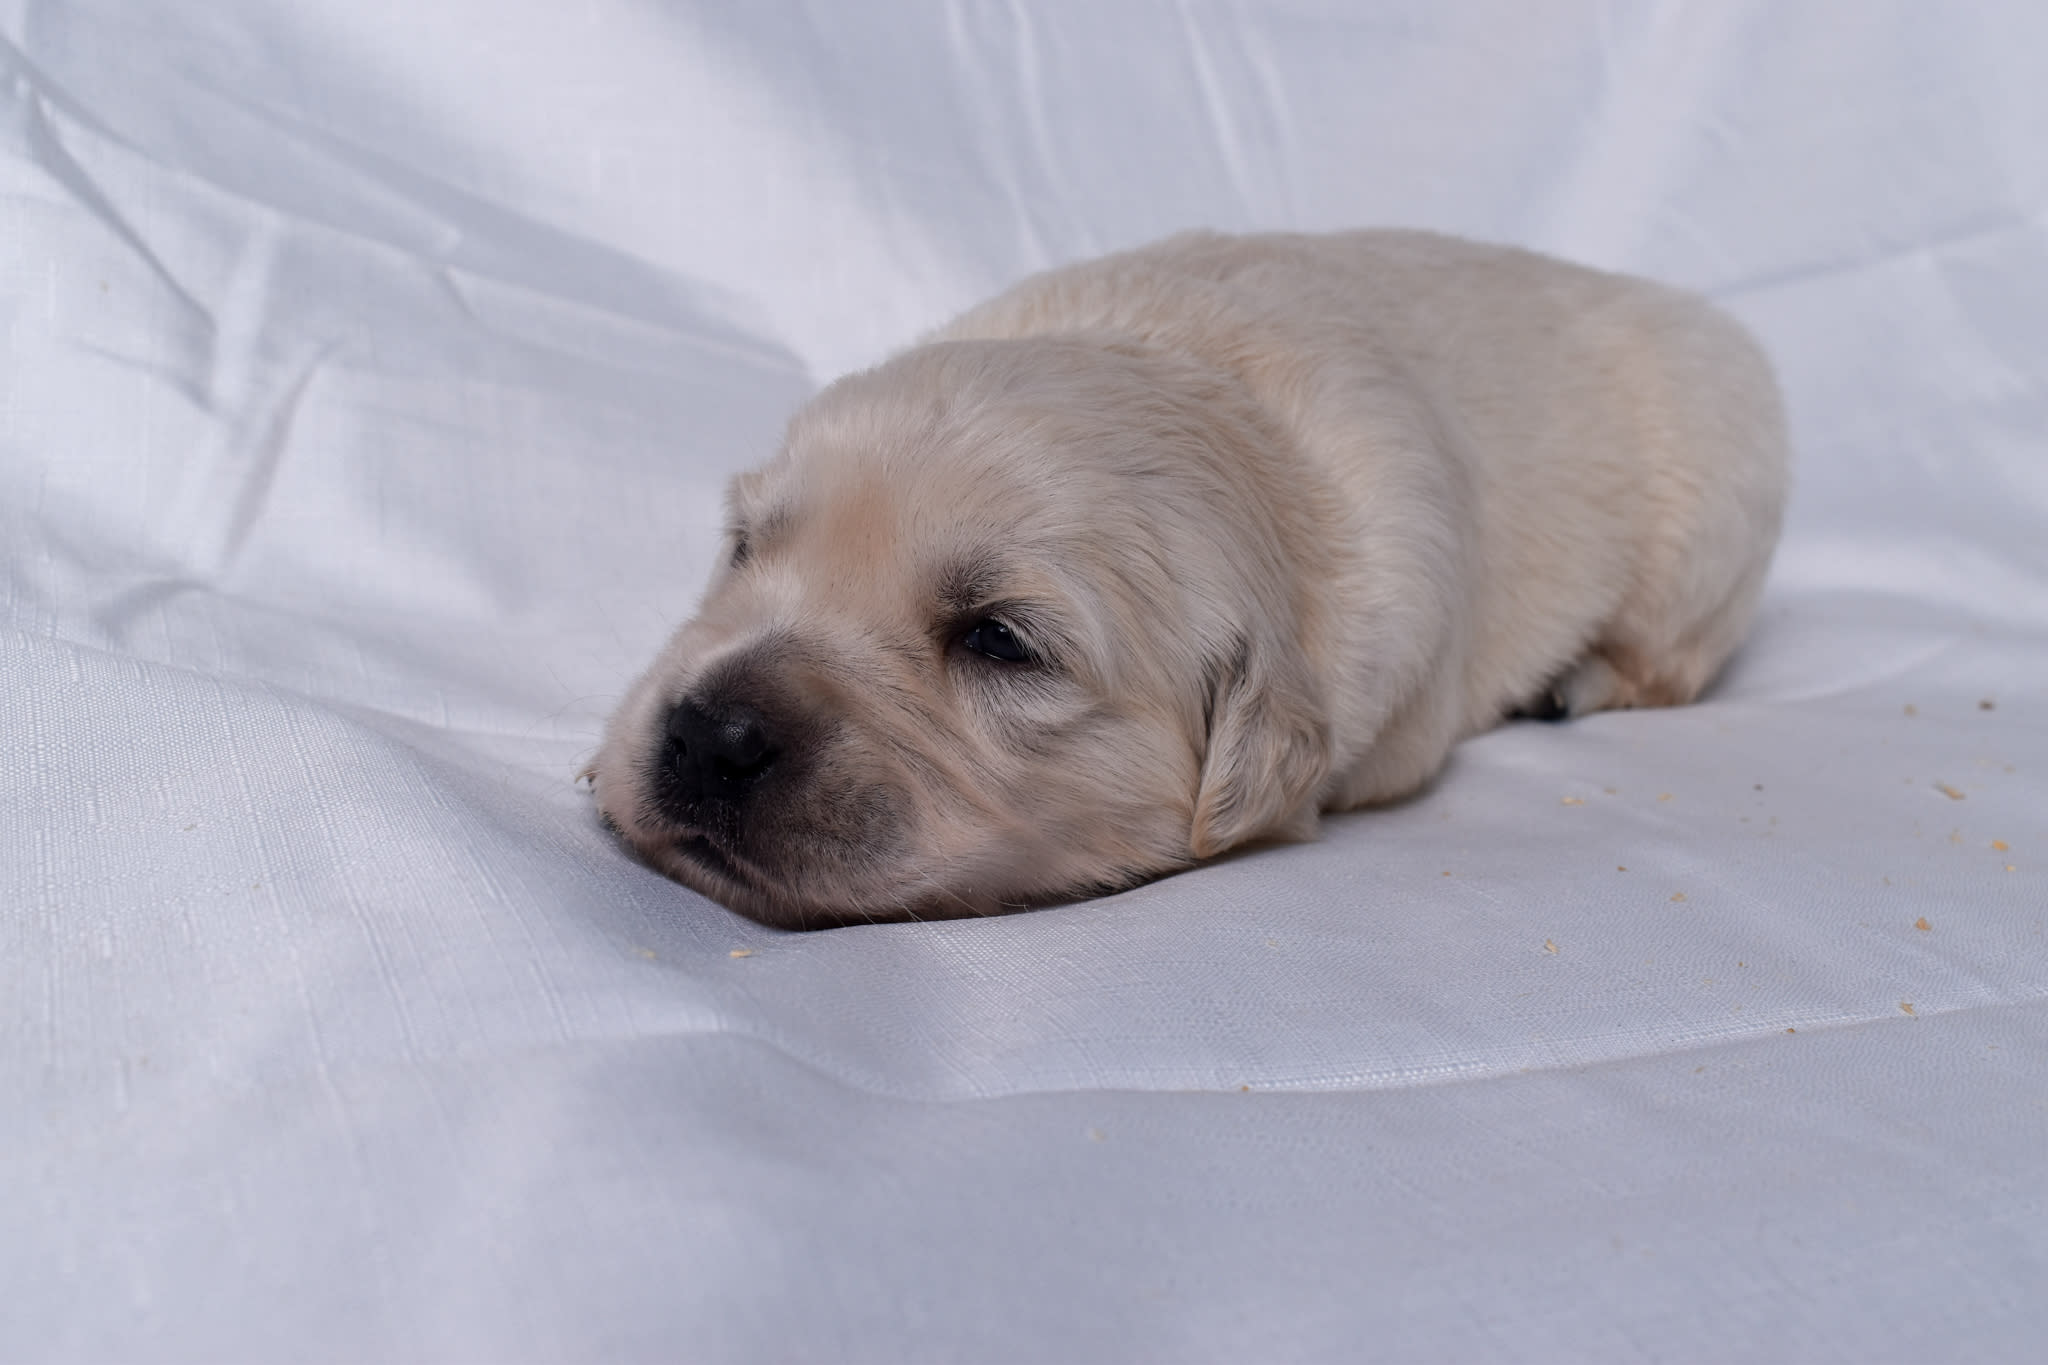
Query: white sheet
[{"x": 369, "y": 376}]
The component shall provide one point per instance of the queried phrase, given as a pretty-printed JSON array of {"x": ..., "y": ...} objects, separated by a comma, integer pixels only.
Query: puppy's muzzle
[{"x": 745, "y": 787}]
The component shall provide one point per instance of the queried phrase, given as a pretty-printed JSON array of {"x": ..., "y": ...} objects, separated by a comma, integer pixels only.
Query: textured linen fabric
[{"x": 368, "y": 376}]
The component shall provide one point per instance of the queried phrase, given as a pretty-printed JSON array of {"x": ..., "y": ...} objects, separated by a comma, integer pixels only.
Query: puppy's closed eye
[{"x": 993, "y": 639}]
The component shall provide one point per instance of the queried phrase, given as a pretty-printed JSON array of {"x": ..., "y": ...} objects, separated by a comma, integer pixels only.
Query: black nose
[{"x": 718, "y": 751}]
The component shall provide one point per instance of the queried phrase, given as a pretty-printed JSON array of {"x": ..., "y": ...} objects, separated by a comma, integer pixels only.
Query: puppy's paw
[
  {"x": 1587, "y": 686},
  {"x": 1549, "y": 704}
]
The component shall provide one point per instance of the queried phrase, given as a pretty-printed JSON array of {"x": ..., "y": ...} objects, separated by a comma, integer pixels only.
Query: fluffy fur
[{"x": 1278, "y": 519}]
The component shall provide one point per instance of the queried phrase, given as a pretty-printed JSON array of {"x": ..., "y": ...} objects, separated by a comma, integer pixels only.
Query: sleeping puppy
[{"x": 1167, "y": 552}]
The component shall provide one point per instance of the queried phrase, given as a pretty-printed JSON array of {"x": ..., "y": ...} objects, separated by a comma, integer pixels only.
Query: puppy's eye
[
  {"x": 740, "y": 549},
  {"x": 994, "y": 639}
]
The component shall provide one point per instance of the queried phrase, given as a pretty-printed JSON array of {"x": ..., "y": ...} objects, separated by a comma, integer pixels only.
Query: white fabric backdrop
[{"x": 370, "y": 372}]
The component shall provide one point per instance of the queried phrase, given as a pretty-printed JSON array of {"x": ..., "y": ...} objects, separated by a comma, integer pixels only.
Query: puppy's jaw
[{"x": 806, "y": 901}]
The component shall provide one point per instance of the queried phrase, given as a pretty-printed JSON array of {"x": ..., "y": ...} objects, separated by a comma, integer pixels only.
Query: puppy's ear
[{"x": 1268, "y": 751}]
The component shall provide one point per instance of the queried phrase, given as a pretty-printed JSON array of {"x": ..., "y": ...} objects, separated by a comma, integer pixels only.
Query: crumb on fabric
[
  {"x": 647, "y": 953},
  {"x": 741, "y": 952},
  {"x": 1911, "y": 709},
  {"x": 1907, "y": 1006},
  {"x": 1987, "y": 705},
  {"x": 1791, "y": 1030},
  {"x": 1663, "y": 796},
  {"x": 1950, "y": 792},
  {"x": 1922, "y": 925},
  {"x": 1549, "y": 946},
  {"x": 1572, "y": 801},
  {"x": 1677, "y": 896},
  {"x": 2001, "y": 845}
]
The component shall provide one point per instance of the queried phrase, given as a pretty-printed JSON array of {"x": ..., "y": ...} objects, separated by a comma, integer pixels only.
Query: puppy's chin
[{"x": 741, "y": 885}]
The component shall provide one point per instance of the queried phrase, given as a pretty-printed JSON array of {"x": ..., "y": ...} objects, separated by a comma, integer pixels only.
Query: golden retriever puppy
[{"x": 1163, "y": 553}]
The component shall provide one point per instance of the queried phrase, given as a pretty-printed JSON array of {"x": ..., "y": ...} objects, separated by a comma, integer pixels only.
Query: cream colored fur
[{"x": 1282, "y": 519}]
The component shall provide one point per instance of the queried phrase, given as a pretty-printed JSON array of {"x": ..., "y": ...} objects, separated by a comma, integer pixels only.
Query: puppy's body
[
  {"x": 1280, "y": 519},
  {"x": 1528, "y": 473}
]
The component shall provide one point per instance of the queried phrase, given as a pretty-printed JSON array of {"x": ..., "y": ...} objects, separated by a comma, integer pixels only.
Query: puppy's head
[{"x": 1004, "y": 622}]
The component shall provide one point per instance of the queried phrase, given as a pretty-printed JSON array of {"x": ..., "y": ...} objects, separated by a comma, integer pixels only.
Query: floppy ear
[{"x": 1268, "y": 750}]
